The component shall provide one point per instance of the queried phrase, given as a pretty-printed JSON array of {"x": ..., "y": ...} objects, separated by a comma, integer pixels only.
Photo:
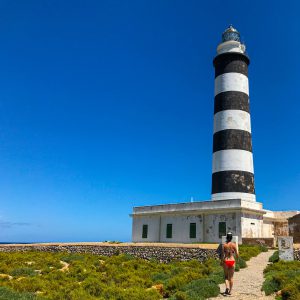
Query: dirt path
[
  {"x": 65, "y": 266},
  {"x": 248, "y": 282}
]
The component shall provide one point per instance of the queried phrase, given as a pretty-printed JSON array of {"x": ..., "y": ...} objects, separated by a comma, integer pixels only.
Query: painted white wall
[
  {"x": 181, "y": 228},
  {"x": 207, "y": 227},
  {"x": 231, "y": 82},
  {"x": 211, "y": 226},
  {"x": 153, "y": 228},
  {"x": 252, "y": 225},
  {"x": 233, "y": 195},
  {"x": 232, "y": 159},
  {"x": 231, "y": 46},
  {"x": 268, "y": 229},
  {"x": 232, "y": 119}
]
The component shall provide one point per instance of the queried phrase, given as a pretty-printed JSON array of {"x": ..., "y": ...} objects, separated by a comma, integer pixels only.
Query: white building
[{"x": 233, "y": 206}]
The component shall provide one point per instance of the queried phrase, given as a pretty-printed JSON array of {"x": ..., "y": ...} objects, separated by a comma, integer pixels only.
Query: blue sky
[{"x": 109, "y": 104}]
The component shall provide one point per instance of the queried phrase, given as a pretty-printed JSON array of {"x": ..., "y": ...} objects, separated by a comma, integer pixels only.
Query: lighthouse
[
  {"x": 232, "y": 170},
  {"x": 232, "y": 205}
]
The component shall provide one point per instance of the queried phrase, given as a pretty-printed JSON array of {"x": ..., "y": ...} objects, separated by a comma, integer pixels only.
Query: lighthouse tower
[
  {"x": 232, "y": 171},
  {"x": 234, "y": 207}
]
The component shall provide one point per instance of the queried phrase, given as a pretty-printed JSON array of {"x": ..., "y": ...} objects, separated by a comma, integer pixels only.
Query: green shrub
[
  {"x": 179, "y": 296},
  {"x": 284, "y": 276},
  {"x": 263, "y": 248},
  {"x": 160, "y": 277},
  {"x": 217, "y": 276},
  {"x": 72, "y": 257},
  {"x": 8, "y": 294},
  {"x": 91, "y": 277},
  {"x": 241, "y": 263},
  {"x": 270, "y": 286},
  {"x": 274, "y": 257},
  {"x": 248, "y": 251},
  {"x": 292, "y": 290},
  {"x": 23, "y": 272},
  {"x": 201, "y": 289}
]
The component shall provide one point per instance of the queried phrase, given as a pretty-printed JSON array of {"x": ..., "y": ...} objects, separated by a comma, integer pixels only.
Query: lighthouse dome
[
  {"x": 231, "y": 34},
  {"x": 231, "y": 42}
]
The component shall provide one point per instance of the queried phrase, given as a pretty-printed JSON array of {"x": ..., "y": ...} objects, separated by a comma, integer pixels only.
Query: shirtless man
[{"x": 229, "y": 253}]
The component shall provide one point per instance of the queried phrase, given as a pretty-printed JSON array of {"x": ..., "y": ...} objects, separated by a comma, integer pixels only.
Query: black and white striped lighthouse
[{"x": 232, "y": 174}]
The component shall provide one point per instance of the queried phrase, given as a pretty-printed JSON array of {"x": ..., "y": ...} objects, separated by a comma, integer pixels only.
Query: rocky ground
[{"x": 248, "y": 281}]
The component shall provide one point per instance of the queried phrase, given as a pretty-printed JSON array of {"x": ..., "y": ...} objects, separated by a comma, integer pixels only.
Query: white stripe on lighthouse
[
  {"x": 231, "y": 82},
  {"x": 232, "y": 119},
  {"x": 233, "y": 159},
  {"x": 233, "y": 195}
]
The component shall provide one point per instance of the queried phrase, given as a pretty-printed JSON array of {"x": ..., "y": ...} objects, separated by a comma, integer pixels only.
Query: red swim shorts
[{"x": 229, "y": 263}]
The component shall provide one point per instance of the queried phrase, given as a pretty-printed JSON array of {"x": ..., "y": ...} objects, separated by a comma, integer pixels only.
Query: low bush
[
  {"x": 292, "y": 290},
  {"x": 201, "y": 289},
  {"x": 25, "y": 271},
  {"x": 249, "y": 251},
  {"x": 90, "y": 277},
  {"x": 240, "y": 264},
  {"x": 39, "y": 275},
  {"x": 274, "y": 257},
  {"x": 283, "y": 276},
  {"x": 263, "y": 248},
  {"x": 8, "y": 294},
  {"x": 72, "y": 257}
]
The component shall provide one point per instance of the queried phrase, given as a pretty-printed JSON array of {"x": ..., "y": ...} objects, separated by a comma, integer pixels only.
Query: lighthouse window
[
  {"x": 145, "y": 231},
  {"x": 192, "y": 230},
  {"x": 222, "y": 229},
  {"x": 169, "y": 231}
]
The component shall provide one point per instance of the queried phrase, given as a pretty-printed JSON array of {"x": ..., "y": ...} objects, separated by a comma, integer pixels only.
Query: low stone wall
[
  {"x": 269, "y": 242},
  {"x": 162, "y": 254},
  {"x": 297, "y": 254}
]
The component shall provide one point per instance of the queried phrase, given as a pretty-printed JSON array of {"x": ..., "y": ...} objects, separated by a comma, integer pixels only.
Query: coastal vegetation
[
  {"x": 36, "y": 275},
  {"x": 282, "y": 278}
]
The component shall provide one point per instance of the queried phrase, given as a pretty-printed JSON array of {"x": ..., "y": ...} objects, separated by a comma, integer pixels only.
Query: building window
[
  {"x": 222, "y": 229},
  {"x": 169, "y": 231},
  {"x": 145, "y": 231},
  {"x": 192, "y": 230}
]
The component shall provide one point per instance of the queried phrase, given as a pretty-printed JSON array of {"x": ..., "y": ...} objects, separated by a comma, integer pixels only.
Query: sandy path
[
  {"x": 65, "y": 266},
  {"x": 248, "y": 282}
]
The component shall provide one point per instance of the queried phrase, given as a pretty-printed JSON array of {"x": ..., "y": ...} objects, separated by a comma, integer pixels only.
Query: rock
[
  {"x": 159, "y": 288},
  {"x": 6, "y": 276}
]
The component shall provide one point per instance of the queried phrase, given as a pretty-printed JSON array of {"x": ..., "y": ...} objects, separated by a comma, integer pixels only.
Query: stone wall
[
  {"x": 297, "y": 254},
  {"x": 281, "y": 228},
  {"x": 162, "y": 254},
  {"x": 294, "y": 228},
  {"x": 269, "y": 242}
]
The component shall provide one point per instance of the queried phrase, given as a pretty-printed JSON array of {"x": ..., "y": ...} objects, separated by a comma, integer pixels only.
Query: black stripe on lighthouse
[
  {"x": 232, "y": 139},
  {"x": 233, "y": 181},
  {"x": 231, "y": 100},
  {"x": 231, "y": 63}
]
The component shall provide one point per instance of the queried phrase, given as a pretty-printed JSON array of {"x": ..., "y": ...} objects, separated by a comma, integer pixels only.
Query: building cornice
[{"x": 208, "y": 211}]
